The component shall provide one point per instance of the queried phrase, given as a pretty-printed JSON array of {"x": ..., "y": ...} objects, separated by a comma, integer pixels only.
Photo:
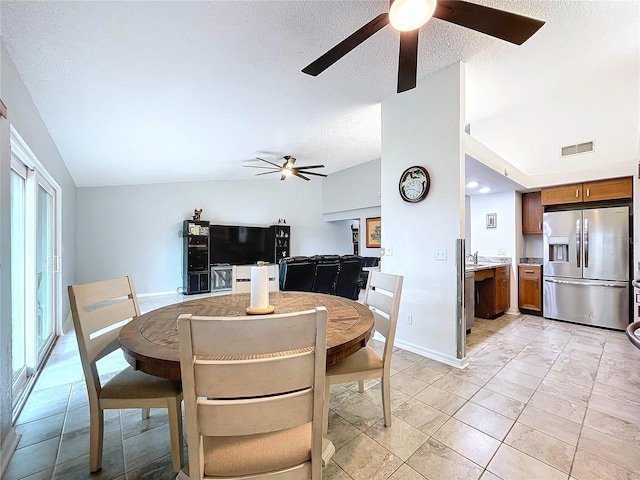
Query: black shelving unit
[
  {"x": 195, "y": 257},
  {"x": 281, "y": 235}
]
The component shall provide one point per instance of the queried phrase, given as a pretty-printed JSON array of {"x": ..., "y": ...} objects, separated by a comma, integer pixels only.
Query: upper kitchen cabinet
[
  {"x": 608, "y": 189},
  {"x": 611, "y": 189},
  {"x": 532, "y": 213},
  {"x": 562, "y": 194}
]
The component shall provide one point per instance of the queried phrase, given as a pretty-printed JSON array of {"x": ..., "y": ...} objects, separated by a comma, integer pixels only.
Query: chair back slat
[
  {"x": 382, "y": 324},
  {"x": 224, "y": 418},
  {"x": 214, "y": 336},
  {"x": 105, "y": 315},
  {"x": 380, "y": 301},
  {"x": 263, "y": 376},
  {"x": 93, "y": 293},
  {"x": 384, "y": 281}
]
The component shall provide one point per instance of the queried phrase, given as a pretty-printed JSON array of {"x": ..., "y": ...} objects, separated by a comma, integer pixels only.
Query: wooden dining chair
[
  {"x": 254, "y": 391},
  {"x": 99, "y": 310},
  {"x": 382, "y": 295}
]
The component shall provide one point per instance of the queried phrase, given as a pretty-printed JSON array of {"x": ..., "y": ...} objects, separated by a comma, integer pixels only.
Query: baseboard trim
[
  {"x": 427, "y": 353},
  {"x": 6, "y": 451},
  {"x": 67, "y": 324},
  {"x": 157, "y": 294}
]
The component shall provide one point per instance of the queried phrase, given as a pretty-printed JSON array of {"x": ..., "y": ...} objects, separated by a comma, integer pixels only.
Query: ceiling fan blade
[
  {"x": 352, "y": 41},
  {"x": 310, "y": 166},
  {"x": 408, "y": 61},
  {"x": 507, "y": 26},
  {"x": 301, "y": 176},
  {"x": 311, "y": 173},
  {"x": 270, "y": 163},
  {"x": 256, "y": 166},
  {"x": 267, "y": 173}
]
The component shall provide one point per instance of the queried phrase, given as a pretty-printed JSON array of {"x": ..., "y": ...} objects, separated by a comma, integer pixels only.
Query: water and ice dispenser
[{"x": 558, "y": 249}]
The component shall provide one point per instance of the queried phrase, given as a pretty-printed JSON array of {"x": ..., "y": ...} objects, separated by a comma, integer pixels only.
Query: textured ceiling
[{"x": 156, "y": 92}]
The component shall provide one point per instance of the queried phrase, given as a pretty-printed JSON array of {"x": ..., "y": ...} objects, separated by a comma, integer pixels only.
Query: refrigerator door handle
[
  {"x": 586, "y": 243},
  {"x": 578, "y": 243},
  {"x": 595, "y": 284}
]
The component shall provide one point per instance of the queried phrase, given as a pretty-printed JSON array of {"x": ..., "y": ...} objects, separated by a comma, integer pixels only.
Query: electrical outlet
[
  {"x": 409, "y": 319},
  {"x": 502, "y": 251},
  {"x": 388, "y": 250},
  {"x": 441, "y": 255}
]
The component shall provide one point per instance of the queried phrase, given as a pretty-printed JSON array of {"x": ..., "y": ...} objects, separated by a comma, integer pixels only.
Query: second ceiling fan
[
  {"x": 287, "y": 169},
  {"x": 407, "y": 16}
]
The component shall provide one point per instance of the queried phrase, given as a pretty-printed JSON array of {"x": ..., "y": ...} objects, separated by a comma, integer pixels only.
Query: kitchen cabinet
[
  {"x": 502, "y": 289},
  {"x": 530, "y": 288},
  {"x": 492, "y": 291},
  {"x": 531, "y": 213},
  {"x": 608, "y": 189},
  {"x": 611, "y": 189}
]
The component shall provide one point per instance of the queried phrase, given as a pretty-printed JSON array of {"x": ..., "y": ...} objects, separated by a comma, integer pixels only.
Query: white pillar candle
[{"x": 259, "y": 288}]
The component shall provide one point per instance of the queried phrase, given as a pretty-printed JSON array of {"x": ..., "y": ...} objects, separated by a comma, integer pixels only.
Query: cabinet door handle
[
  {"x": 576, "y": 193},
  {"x": 539, "y": 225},
  {"x": 529, "y": 271},
  {"x": 587, "y": 192}
]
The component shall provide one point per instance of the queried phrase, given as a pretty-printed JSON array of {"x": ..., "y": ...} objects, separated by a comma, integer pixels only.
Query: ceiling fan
[
  {"x": 407, "y": 16},
  {"x": 287, "y": 169}
]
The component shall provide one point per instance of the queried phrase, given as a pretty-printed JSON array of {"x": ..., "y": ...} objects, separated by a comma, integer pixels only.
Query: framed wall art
[{"x": 374, "y": 233}]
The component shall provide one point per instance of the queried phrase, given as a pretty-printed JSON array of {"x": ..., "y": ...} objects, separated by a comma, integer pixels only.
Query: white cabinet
[{"x": 241, "y": 278}]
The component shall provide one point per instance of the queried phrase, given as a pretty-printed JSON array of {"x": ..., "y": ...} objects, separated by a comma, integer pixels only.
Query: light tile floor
[{"x": 540, "y": 399}]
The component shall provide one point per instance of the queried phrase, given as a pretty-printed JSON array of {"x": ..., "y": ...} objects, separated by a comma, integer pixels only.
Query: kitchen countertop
[
  {"x": 530, "y": 261},
  {"x": 473, "y": 267}
]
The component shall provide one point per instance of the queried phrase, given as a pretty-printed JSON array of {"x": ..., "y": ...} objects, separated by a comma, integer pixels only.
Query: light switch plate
[{"x": 441, "y": 255}]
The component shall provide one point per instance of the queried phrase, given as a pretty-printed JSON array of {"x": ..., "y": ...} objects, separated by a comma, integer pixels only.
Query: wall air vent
[{"x": 585, "y": 147}]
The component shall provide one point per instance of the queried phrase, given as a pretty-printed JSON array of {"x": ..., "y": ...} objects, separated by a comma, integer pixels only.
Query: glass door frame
[
  {"x": 20, "y": 376},
  {"x": 24, "y": 160}
]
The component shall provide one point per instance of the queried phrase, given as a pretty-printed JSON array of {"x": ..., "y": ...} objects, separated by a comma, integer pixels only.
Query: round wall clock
[{"x": 414, "y": 184}]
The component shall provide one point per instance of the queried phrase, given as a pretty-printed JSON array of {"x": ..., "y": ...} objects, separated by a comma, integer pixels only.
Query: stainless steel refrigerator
[{"x": 586, "y": 266}]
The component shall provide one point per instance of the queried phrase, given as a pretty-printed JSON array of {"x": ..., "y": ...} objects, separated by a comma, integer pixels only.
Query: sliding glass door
[
  {"x": 35, "y": 289},
  {"x": 46, "y": 266}
]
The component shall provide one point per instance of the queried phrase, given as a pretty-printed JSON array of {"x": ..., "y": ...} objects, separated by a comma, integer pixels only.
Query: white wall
[
  {"x": 354, "y": 193},
  {"x": 352, "y": 188},
  {"x": 500, "y": 241},
  {"x": 413, "y": 135},
  {"x": 24, "y": 116},
  {"x": 134, "y": 229}
]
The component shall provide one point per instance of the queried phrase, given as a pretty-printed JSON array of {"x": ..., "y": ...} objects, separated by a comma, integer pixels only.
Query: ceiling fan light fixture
[
  {"x": 286, "y": 172},
  {"x": 407, "y": 15}
]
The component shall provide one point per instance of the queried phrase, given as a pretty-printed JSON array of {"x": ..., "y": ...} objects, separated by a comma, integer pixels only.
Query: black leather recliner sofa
[{"x": 331, "y": 274}]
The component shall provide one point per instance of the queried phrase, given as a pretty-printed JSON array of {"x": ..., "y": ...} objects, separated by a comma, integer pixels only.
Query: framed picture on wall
[
  {"x": 374, "y": 233},
  {"x": 492, "y": 220}
]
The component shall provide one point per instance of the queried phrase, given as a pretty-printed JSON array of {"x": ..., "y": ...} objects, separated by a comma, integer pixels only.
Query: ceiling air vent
[{"x": 585, "y": 147}]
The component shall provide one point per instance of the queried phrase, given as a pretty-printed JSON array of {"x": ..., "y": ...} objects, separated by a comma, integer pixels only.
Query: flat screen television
[{"x": 239, "y": 245}]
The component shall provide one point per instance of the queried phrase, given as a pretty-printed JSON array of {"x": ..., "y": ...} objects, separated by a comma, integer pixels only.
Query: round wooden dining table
[{"x": 150, "y": 341}]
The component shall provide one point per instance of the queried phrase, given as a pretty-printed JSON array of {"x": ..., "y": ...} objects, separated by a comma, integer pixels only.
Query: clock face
[{"x": 414, "y": 184}]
